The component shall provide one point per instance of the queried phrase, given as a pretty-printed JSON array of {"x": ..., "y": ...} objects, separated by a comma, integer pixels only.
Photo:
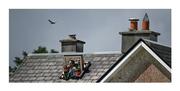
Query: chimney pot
[
  {"x": 133, "y": 24},
  {"x": 145, "y": 22}
]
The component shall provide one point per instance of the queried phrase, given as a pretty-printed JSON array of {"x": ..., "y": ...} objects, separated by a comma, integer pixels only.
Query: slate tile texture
[{"x": 48, "y": 68}]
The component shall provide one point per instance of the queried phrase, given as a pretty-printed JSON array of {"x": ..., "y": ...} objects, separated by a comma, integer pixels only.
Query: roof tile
[{"x": 48, "y": 68}]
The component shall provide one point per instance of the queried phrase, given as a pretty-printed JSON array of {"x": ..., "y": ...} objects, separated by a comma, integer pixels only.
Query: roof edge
[{"x": 156, "y": 43}]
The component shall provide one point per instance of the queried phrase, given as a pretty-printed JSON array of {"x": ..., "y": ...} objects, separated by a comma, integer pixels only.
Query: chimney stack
[
  {"x": 133, "y": 24},
  {"x": 131, "y": 37},
  {"x": 71, "y": 44},
  {"x": 145, "y": 22}
]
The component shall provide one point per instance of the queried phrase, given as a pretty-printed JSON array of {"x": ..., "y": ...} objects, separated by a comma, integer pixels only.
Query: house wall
[
  {"x": 152, "y": 74},
  {"x": 130, "y": 71}
]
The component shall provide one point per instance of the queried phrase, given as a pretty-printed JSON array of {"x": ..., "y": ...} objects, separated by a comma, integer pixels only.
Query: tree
[
  {"x": 10, "y": 69},
  {"x": 18, "y": 61},
  {"x": 40, "y": 50},
  {"x": 25, "y": 54},
  {"x": 54, "y": 51}
]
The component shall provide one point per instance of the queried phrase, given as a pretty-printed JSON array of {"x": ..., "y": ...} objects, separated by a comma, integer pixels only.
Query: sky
[{"x": 99, "y": 28}]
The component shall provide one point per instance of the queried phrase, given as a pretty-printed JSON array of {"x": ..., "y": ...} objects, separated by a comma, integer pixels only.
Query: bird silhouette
[{"x": 52, "y": 22}]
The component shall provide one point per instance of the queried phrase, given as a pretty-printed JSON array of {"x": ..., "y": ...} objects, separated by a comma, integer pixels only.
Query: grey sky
[{"x": 98, "y": 28}]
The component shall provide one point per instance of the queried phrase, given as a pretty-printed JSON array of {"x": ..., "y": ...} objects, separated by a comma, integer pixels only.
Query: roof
[
  {"x": 161, "y": 52},
  {"x": 48, "y": 67}
]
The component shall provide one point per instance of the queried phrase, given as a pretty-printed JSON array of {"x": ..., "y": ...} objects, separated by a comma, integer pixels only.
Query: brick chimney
[
  {"x": 131, "y": 37},
  {"x": 145, "y": 22},
  {"x": 71, "y": 44},
  {"x": 133, "y": 24}
]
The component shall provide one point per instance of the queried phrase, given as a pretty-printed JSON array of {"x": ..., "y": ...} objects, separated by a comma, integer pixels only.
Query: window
[{"x": 74, "y": 67}]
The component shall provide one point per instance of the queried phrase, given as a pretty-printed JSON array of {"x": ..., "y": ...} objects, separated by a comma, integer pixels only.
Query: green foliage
[
  {"x": 18, "y": 61},
  {"x": 10, "y": 69},
  {"x": 54, "y": 51},
  {"x": 40, "y": 50},
  {"x": 24, "y": 53}
]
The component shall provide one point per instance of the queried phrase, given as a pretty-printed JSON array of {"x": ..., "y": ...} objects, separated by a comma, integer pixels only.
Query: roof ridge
[
  {"x": 146, "y": 40},
  {"x": 74, "y": 53}
]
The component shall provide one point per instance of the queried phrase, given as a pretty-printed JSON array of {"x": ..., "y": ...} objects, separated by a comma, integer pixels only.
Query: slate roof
[
  {"x": 163, "y": 51},
  {"x": 48, "y": 68}
]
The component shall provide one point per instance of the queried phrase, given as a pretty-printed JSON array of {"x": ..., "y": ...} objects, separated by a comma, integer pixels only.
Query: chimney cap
[
  {"x": 73, "y": 36},
  {"x": 146, "y": 18},
  {"x": 133, "y": 19}
]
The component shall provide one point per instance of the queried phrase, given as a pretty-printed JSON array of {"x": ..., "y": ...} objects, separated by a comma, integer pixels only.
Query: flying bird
[{"x": 52, "y": 22}]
